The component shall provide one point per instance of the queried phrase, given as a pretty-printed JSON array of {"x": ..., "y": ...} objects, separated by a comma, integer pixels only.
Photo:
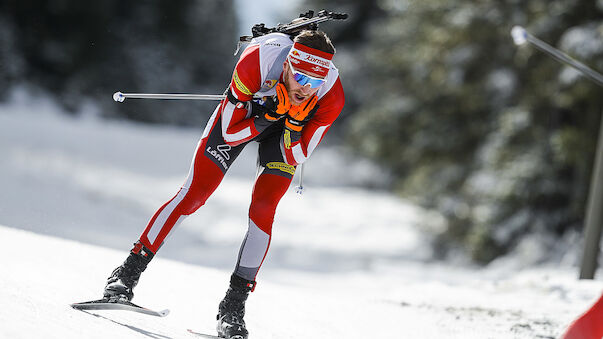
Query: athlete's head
[{"x": 307, "y": 65}]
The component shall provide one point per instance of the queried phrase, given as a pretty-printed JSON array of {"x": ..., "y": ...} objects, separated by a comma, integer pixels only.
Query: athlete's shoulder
[
  {"x": 271, "y": 50},
  {"x": 331, "y": 103},
  {"x": 330, "y": 96},
  {"x": 271, "y": 45},
  {"x": 268, "y": 46},
  {"x": 273, "y": 41},
  {"x": 332, "y": 83}
]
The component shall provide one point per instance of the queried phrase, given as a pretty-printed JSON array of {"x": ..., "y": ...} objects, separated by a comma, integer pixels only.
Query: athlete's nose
[{"x": 307, "y": 90}]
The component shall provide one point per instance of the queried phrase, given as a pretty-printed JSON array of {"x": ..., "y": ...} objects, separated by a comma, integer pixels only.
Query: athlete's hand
[
  {"x": 276, "y": 109},
  {"x": 299, "y": 115},
  {"x": 282, "y": 99}
]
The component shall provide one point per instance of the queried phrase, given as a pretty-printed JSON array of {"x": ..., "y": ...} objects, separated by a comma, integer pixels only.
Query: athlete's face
[{"x": 297, "y": 92}]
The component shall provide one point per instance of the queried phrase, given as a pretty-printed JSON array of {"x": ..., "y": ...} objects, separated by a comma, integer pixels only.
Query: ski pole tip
[
  {"x": 519, "y": 34},
  {"x": 119, "y": 97}
]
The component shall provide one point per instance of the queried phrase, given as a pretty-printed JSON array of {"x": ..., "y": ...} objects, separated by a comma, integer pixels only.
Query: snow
[
  {"x": 344, "y": 262},
  {"x": 43, "y": 274}
]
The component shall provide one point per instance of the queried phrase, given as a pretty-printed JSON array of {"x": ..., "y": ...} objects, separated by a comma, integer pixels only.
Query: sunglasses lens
[{"x": 303, "y": 80}]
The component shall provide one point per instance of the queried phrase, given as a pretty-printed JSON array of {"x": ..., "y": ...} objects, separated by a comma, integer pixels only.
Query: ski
[
  {"x": 203, "y": 335},
  {"x": 105, "y": 304}
]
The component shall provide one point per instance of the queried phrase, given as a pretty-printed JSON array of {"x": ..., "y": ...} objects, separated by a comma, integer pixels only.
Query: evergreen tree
[
  {"x": 500, "y": 140},
  {"x": 82, "y": 50}
]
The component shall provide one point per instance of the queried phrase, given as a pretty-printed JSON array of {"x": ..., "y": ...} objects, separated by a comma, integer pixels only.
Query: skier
[{"x": 284, "y": 94}]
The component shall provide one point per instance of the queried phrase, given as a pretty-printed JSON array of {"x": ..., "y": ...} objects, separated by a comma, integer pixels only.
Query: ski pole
[
  {"x": 300, "y": 189},
  {"x": 521, "y": 36},
  {"x": 120, "y": 97},
  {"x": 594, "y": 216}
]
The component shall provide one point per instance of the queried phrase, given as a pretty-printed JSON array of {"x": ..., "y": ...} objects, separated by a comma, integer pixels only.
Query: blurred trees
[
  {"x": 499, "y": 139},
  {"x": 88, "y": 50}
]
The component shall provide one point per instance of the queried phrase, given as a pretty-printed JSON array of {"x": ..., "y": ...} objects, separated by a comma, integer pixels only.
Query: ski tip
[
  {"x": 103, "y": 304},
  {"x": 78, "y": 305}
]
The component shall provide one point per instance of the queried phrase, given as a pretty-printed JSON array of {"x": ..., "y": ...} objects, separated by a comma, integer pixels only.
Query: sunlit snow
[{"x": 344, "y": 262}]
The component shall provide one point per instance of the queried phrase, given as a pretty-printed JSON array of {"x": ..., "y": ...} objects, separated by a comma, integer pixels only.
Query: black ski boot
[
  {"x": 125, "y": 277},
  {"x": 232, "y": 309}
]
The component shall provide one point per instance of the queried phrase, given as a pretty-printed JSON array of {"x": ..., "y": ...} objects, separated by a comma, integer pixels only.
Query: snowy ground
[{"x": 76, "y": 192}]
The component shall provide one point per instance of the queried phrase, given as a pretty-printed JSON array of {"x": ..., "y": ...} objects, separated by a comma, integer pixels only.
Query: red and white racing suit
[{"x": 229, "y": 129}]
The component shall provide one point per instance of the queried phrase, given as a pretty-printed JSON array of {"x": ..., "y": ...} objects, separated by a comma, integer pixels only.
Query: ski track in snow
[
  {"x": 78, "y": 191},
  {"x": 43, "y": 274}
]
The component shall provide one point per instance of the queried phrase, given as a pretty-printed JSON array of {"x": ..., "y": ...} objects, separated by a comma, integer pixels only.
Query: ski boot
[
  {"x": 232, "y": 309},
  {"x": 124, "y": 278}
]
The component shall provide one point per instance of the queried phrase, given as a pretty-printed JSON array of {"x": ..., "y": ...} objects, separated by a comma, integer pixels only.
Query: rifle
[{"x": 305, "y": 21}]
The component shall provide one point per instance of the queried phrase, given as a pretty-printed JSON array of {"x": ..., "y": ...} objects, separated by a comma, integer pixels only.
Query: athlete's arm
[
  {"x": 296, "y": 147},
  {"x": 237, "y": 126}
]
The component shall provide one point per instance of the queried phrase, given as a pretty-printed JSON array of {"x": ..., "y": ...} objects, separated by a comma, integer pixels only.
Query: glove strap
[
  {"x": 294, "y": 125},
  {"x": 272, "y": 116}
]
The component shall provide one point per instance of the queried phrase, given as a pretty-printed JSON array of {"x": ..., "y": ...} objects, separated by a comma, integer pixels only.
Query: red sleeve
[
  {"x": 246, "y": 77},
  {"x": 297, "y": 148},
  {"x": 237, "y": 128}
]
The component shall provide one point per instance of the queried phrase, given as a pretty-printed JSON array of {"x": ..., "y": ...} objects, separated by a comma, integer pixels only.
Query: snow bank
[
  {"x": 41, "y": 275},
  {"x": 344, "y": 262}
]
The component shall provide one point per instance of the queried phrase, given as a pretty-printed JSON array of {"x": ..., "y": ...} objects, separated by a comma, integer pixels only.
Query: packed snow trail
[
  {"x": 42, "y": 275},
  {"x": 365, "y": 276}
]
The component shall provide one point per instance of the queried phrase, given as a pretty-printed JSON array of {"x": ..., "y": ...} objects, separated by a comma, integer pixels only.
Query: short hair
[{"x": 315, "y": 39}]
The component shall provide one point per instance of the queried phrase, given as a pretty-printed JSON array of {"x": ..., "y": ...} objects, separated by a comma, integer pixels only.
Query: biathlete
[{"x": 284, "y": 94}]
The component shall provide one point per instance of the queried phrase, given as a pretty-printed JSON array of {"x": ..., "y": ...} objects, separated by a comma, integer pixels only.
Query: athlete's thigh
[
  {"x": 218, "y": 151},
  {"x": 271, "y": 158}
]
